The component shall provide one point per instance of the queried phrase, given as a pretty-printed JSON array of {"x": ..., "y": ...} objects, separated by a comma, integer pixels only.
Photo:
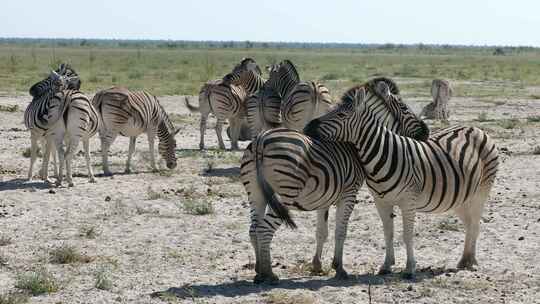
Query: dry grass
[
  {"x": 448, "y": 225},
  {"x": 5, "y": 240},
  {"x": 38, "y": 282},
  {"x": 67, "y": 255},
  {"x": 299, "y": 297},
  {"x": 89, "y": 232},
  {"x": 153, "y": 194},
  {"x": 103, "y": 280},
  {"x": 9, "y": 108},
  {"x": 198, "y": 207}
]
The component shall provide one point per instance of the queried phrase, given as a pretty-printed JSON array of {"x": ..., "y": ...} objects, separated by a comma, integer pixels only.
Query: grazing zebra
[
  {"x": 80, "y": 122},
  {"x": 264, "y": 107},
  {"x": 453, "y": 170},
  {"x": 129, "y": 114},
  {"x": 286, "y": 169},
  {"x": 42, "y": 115},
  {"x": 225, "y": 98}
]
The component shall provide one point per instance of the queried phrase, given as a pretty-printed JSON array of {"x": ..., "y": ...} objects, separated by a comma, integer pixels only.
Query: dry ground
[{"x": 138, "y": 231}]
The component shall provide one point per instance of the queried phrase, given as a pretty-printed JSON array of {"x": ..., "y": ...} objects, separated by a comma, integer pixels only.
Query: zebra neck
[
  {"x": 163, "y": 131},
  {"x": 376, "y": 146}
]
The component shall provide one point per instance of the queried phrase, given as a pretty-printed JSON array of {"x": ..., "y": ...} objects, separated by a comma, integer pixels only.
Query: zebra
[
  {"x": 264, "y": 107},
  {"x": 300, "y": 100},
  {"x": 453, "y": 170},
  {"x": 130, "y": 113},
  {"x": 80, "y": 121},
  {"x": 284, "y": 168},
  {"x": 43, "y": 112},
  {"x": 225, "y": 98}
]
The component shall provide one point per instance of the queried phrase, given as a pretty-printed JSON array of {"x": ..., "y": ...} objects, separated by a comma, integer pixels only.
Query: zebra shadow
[
  {"x": 23, "y": 183},
  {"x": 222, "y": 172},
  {"x": 245, "y": 287}
]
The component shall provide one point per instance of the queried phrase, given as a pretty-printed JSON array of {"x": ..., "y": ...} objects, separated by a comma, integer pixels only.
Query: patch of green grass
[
  {"x": 482, "y": 117},
  {"x": 508, "y": 124},
  {"x": 534, "y": 96},
  {"x": 37, "y": 282},
  {"x": 198, "y": 207},
  {"x": 66, "y": 254},
  {"x": 103, "y": 280},
  {"x": 9, "y": 108},
  {"x": 533, "y": 118}
]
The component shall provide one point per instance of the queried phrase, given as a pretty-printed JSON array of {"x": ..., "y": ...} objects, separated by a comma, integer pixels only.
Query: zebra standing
[
  {"x": 80, "y": 122},
  {"x": 43, "y": 112},
  {"x": 453, "y": 170},
  {"x": 286, "y": 169},
  {"x": 225, "y": 98},
  {"x": 129, "y": 114}
]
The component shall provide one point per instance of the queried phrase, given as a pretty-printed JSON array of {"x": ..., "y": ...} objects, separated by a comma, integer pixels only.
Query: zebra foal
[{"x": 453, "y": 170}]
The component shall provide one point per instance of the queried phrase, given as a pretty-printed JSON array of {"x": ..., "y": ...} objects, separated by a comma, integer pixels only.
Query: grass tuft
[
  {"x": 67, "y": 255},
  {"x": 5, "y": 240},
  {"x": 38, "y": 282},
  {"x": 9, "y": 108},
  {"x": 14, "y": 298},
  {"x": 198, "y": 207},
  {"x": 511, "y": 123},
  {"x": 103, "y": 281}
]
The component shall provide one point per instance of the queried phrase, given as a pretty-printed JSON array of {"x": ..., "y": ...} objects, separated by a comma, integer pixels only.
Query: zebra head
[
  {"x": 283, "y": 77},
  {"x": 167, "y": 143},
  {"x": 247, "y": 64},
  {"x": 53, "y": 84},
  {"x": 74, "y": 82},
  {"x": 373, "y": 101}
]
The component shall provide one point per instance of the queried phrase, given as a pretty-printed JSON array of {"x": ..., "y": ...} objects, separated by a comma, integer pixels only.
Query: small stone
[
  {"x": 521, "y": 238},
  {"x": 107, "y": 198},
  {"x": 409, "y": 288},
  {"x": 51, "y": 191}
]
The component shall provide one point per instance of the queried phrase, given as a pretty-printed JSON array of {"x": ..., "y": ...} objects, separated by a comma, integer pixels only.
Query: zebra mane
[
  {"x": 394, "y": 89},
  {"x": 286, "y": 66},
  {"x": 242, "y": 66},
  {"x": 349, "y": 95},
  {"x": 166, "y": 120}
]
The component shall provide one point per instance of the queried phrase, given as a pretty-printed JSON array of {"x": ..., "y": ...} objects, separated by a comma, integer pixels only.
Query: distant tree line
[{"x": 186, "y": 44}]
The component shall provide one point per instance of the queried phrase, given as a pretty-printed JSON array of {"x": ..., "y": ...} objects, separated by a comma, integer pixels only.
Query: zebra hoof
[
  {"x": 92, "y": 180},
  {"x": 127, "y": 171},
  {"x": 70, "y": 184},
  {"x": 271, "y": 279},
  {"x": 467, "y": 263},
  {"x": 107, "y": 173},
  {"x": 341, "y": 275}
]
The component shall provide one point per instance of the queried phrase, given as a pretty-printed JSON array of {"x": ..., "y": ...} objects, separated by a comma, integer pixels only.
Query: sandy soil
[{"x": 154, "y": 251}]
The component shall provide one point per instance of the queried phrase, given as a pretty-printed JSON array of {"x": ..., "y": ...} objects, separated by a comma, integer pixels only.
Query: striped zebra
[
  {"x": 80, "y": 121},
  {"x": 286, "y": 169},
  {"x": 301, "y": 100},
  {"x": 130, "y": 113},
  {"x": 43, "y": 112},
  {"x": 225, "y": 98},
  {"x": 453, "y": 170}
]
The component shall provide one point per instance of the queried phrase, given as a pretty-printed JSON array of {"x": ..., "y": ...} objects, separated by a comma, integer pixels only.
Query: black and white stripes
[{"x": 453, "y": 170}]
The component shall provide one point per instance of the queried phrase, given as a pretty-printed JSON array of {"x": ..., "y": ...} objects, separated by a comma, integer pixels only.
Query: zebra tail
[
  {"x": 193, "y": 108},
  {"x": 269, "y": 194}
]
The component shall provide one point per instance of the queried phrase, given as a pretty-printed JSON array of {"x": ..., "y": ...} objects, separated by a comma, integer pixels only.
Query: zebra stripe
[
  {"x": 286, "y": 169},
  {"x": 226, "y": 99},
  {"x": 80, "y": 122},
  {"x": 130, "y": 113},
  {"x": 43, "y": 113},
  {"x": 305, "y": 101},
  {"x": 452, "y": 170}
]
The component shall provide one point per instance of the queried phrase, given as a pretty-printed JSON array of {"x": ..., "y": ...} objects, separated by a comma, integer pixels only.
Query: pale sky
[{"x": 495, "y": 22}]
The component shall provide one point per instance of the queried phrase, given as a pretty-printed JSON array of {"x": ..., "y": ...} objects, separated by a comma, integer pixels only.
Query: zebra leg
[
  {"x": 265, "y": 232},
  {"x": 236, "y": 124},
  {"x": 387, "y": 217},
  {"x": 47, "y": 150},
  {"x": 151, "y": 137},
  {"x": 343, "y": 213},
  {"x": 202, "y": 127},
  {"x": 409, "y": 215},
  {"x": 33, "y": 154},
  {"x": 106, "y": 138},
  {"x": 59, "y": 143},
  {"x": 471, "y": 219},
  {"x": 72, "y": 146},
  {"x": 256, "y": 215},
  {"x": 321, "y": 236},
  {"x": 86, "y": 145},
  {"x": 219, "y": 130},
  {"x": 132, "y": 141}
]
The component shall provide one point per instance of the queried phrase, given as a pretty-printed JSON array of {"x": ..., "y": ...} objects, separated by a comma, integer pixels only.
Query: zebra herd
[{"x": 306, "y": 152}]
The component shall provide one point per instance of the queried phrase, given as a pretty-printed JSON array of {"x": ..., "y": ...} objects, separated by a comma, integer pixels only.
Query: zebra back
[{"x": 307, "y": 100}]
